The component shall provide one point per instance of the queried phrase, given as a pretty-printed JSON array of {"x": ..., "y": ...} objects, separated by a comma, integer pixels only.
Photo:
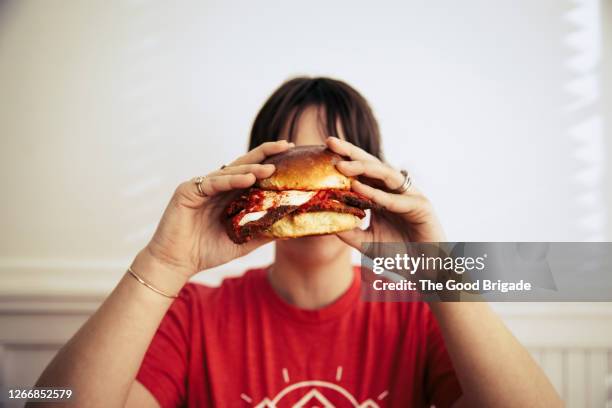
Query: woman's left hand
[{"x": 406, "y": 217}]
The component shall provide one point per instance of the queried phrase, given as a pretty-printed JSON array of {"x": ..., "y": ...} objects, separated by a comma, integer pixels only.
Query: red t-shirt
[{"x": 241, "y": 345}]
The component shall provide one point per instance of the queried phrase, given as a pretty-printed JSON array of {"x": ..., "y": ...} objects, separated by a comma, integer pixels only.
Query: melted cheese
[
  {"x": 254, "y": 216},
  {"x": 273, "y": 199},
  {"x": 289, "y": 197}
]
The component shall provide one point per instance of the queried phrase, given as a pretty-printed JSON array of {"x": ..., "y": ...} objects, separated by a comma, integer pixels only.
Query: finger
[
  {"x": 376, "y": 170},
  {"x": 355, "y": 237},
  {"x": 189, "y": 194},
  {"x": 258, "y": 154},
  {"x": 216, "y": 184},
  {"x": 259, "y": 170},
  {"x": 397, "y": 203},
  {"x": 344, "y": 148}
]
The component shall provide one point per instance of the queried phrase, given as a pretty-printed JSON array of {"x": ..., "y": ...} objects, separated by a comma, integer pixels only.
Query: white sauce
[
  {"x": 254, "y": 216},
  {"x": 274, "y": 199},
  {"x": 289, "y": 197}
]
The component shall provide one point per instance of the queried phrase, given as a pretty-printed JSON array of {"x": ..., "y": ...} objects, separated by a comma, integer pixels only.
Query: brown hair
[{"x": 340, "y": 102}]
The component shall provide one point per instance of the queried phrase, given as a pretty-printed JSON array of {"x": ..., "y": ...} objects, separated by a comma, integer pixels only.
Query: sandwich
[{"x": 306, "y": 195}]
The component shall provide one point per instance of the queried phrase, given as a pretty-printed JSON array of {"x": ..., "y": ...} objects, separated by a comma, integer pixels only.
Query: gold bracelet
[{"x": 148, "y": 285}]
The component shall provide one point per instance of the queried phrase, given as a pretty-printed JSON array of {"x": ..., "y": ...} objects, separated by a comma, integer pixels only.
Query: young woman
[{"x": 294, "y": 333}]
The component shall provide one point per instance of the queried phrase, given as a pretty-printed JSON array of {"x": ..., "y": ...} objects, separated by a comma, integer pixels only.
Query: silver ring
[
  {"x": 406, "y": 184},
  {"x": 198, "y": 182}
]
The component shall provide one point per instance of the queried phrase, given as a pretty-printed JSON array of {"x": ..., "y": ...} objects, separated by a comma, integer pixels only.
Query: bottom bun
[{"x": 313, "y": 223}]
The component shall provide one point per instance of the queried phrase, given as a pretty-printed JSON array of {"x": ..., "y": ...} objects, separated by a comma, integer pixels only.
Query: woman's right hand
[{"x": 190, "y": 236}]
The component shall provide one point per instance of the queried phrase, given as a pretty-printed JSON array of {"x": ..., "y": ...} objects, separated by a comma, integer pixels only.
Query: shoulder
[
  {"x": 232, "y": 290},
  {"x": 405, "y": 309},
  {"x": 413, "y": 317}
]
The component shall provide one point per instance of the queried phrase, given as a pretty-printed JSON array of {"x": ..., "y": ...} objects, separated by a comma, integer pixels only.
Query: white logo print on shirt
[{"x": 315, "y": 397}]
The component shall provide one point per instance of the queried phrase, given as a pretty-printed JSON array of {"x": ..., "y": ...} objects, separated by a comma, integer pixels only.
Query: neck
[{"x": 309, "y": 285}]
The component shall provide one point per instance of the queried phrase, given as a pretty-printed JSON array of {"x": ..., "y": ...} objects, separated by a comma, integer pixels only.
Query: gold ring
[{"x": 198, "y": 182}]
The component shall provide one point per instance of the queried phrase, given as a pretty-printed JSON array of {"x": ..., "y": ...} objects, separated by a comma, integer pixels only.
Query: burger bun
[
  {"x": 311, "y": 167},
  {"x": 313, "y": 223}
]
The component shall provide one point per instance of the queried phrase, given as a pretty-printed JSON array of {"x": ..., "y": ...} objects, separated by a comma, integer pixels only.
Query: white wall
[
  {"x": 106, "y": 106},
  {"x": 495, "y": 107}
]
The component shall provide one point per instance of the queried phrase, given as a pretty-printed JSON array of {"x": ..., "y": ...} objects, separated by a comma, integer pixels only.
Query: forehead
[{"x": 310, "y": 127}]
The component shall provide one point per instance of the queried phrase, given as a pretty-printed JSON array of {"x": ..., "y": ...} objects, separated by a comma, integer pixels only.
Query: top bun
[{"x": 310, "y": 167}]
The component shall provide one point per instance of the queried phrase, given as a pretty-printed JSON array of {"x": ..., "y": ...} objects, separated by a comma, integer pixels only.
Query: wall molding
[
  {"x": 69, "y": 290},
  {"x": 58, "y": 278},
  {"x": 87, "y": 280},
  {"x": 79, "y": 286}
]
